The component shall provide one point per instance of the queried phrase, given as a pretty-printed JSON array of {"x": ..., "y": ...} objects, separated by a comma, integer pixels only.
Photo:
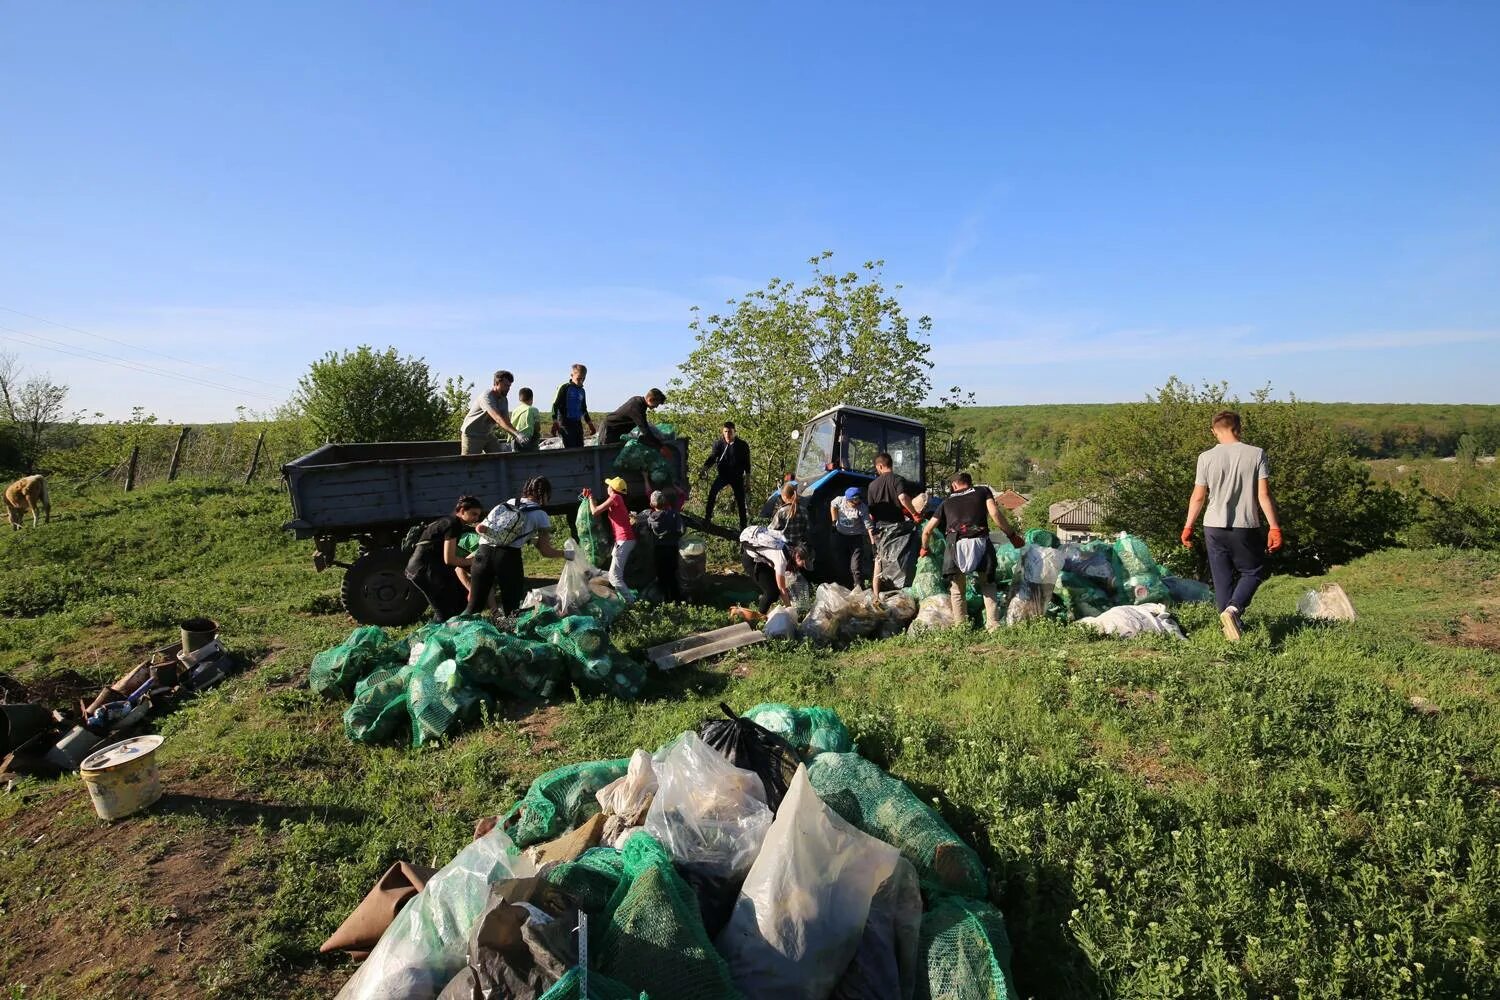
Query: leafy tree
[
  {"x": 32, "y": 406},
  {"x": 780, "y": 354},
  {"x": 369, "y": 395},
  {"x": 457, "y": 394},
  {"x": 1142, "y": 464}
]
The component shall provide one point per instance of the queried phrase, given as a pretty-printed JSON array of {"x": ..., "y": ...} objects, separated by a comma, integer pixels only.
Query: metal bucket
[
  {"x": 123, "y": 778},
  {"x": 197, "y": 633}
]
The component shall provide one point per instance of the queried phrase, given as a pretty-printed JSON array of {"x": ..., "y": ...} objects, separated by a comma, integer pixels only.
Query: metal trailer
[{"x": 373, "y": 494}]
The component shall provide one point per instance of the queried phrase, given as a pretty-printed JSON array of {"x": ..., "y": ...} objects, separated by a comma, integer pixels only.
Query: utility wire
[
  {"x": 136, "y": 347},
  {"x": 46, "y": 343}
]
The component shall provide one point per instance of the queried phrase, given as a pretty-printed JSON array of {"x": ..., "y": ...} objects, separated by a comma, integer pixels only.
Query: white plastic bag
[
  {"x": 426, "y": 945},
  {"x": 1041, "y": 565},
  {"x": 829, "y": 610},
  {"x": 1328, "y": 602},
  {"x": 781, "y": 623},
  {"x": 573, "y": 584},
  {"x": 630, "y": 794},
  {"x": 708, "y": 813},
  {"x": 885, "y": 966},
  {"x": 1127, "y": 621},
  {"x": 801, "y": 913},
  {"x": 935, "y": 612}
]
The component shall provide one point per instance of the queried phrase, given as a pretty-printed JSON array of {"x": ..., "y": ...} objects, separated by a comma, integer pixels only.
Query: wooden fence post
[
  {"x": 255, "y": 461},
  {"x": 176, "y": 455},
  {"x": 135, "y": 455}
]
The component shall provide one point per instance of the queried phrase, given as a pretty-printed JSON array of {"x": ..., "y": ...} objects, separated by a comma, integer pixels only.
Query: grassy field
[{"x": 1314, "y": 812}]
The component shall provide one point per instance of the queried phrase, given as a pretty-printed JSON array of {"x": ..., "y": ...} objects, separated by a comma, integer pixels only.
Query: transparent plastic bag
[
  {"x": 1328, "y": 602},
  {"x": 781, "y": 623},
  {"x": 426, "y": 945},
  {"x": 863, "y": 615},
  {"x": 885, "y": 966},
  {"x": 1041, "y": 565},
  {"x": 711, "y": 815},
  {"x": 935, "y": 612},
  {"x": 572, "y": 584},
  {"x": 899, "y": 609},
  {"x": 630, "y": 796},
  {"x": 801, "y": 913},
  {"x": 829, "y": 610}
]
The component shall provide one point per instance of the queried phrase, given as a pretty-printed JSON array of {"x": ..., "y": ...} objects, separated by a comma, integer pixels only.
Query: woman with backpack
[
  {"x": 435, "y": 558},
  {"x": 502, "y": 536}
]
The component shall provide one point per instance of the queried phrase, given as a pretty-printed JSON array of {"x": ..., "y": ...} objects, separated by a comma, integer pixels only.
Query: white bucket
[{"x": 123, "y": 777}]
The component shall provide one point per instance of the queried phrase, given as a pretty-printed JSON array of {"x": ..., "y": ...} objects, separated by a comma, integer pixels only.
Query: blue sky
[{"x": 1086, "y": 198}]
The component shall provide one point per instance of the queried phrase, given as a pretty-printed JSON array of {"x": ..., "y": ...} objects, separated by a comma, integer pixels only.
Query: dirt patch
[
  {"x": 1134, "y": 697},
  {"x": 1155, "y": 765},
  {"x": 60, "y": 690},
  {"x": 1478, "y": 633},
  {"x": 538, "y": 727}
]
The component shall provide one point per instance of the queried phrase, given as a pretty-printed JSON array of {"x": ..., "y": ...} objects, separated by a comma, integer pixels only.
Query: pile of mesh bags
[
  {"x": 446, "y": 676},
  {"x": 741, "y": 859}
]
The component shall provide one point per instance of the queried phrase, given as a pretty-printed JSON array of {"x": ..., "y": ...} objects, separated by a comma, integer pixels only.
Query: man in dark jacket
[
  {"x": 632, "y": 413},
  {"x": 730, "y": 460}
]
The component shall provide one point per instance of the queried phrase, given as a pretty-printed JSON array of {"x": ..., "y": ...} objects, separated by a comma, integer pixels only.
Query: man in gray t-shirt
[
  {"x": 1231, "y": 489},
  {"x": 490, "y": 410}
]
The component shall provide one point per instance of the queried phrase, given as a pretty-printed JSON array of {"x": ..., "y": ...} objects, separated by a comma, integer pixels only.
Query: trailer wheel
[{"x": 376, "y": 591}]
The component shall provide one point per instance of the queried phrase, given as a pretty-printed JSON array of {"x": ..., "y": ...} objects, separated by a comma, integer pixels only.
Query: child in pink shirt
[{"x": 623, "y": 526}]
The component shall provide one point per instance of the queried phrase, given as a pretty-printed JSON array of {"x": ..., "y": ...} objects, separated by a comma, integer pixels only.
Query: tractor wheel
[{"x": 376, "y": 591}]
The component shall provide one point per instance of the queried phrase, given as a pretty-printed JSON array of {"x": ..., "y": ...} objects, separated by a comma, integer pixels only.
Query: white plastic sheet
[
  {"x": 1127, "y": 621},
  {"x": 426, "y": 945},
  {"x": 708, "y": 813},
  {"x": 781, "y": 623},
  {"x": 801, "y": 913},
  {"x": 829, "y": 611}
]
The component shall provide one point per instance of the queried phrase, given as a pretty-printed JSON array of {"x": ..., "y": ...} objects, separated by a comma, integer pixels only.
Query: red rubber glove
[
  {"x": 1273, "y": 540},
  {"x": 1187, "y": 537},
  {"x": 922, "y": 553},
  {"x": 586, "y": 492},
  {"x": 1017, "y": 539}
]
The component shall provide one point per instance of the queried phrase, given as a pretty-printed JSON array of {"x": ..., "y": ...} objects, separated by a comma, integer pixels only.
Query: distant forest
[{"x": 1008, "y": 442}]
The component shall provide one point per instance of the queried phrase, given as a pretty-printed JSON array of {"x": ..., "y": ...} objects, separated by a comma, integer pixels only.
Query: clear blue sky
[{"x": 1086, "y": 198}]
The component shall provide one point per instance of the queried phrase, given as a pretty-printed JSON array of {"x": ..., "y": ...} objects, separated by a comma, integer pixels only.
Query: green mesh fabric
[
  {"x": 594, "y": 549},
  {"x": 529, "y": 623},
  {"x": 965, "y": 952},
  {"x": 559, "y": 800},
  {"x": 638, "y": 457},
  {"x": 1085, "y": 598},
  {"x": 1135, "y": 557},
  {"x": 809, "y": 730},
  {"x": 601, "y": 987},
  {"x": 1147, "y": 588},
  {"x": 582, "y": 637},
  {"x": 336, "y": 671},
  {"x": 928, "y": 579},
  {"x": 1042, "y": 537},
  {"x": 885, "y": 808},
  {"x": 655, "y": 940},
  {"x": 379, "y": 710},
  {"x": 591, "y": 880},
  {"x": 1007, "y": 563}
]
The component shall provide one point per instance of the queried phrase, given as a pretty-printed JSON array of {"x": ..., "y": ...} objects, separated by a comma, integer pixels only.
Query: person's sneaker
[{"x": 1230, "y": 619}]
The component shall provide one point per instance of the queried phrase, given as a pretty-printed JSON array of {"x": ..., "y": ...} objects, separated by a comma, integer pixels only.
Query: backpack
[
  {"x": 413, "y": 536},
  {"x": 506, "y": 524}
]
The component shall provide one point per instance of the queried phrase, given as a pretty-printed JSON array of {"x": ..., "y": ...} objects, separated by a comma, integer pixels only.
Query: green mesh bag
[
  {"x": 529, "y": 623},
  {"x": 1042, "y": 537},
  {"x": 635, "y": 456},
  {"x": 809, "y": 730},
  {"x": 559, "y": 800},
  {"x": 1135, "y": 557},
  {"x": 378, "y": 713},
  {"x": 433, "y": 705},
  {"x": 1007, "y": 564},
  {"x": 965, "y": 952},
  {"x": 886, "y": 809},
  {"x": 1085, "y": 597},
  {"x": 590, "y": 881},
  {"x": 654, "y": 939},
  {"x": 625, "y": 678},
  {"x": 927, "y": 581},
  {"x": 601, "y": 987},
  {"x": 336, "y": 671},
  {"x": 594, "y": 550},
  {"x": 1146, "y": 588},
  {"x": 581, "y": 637}
]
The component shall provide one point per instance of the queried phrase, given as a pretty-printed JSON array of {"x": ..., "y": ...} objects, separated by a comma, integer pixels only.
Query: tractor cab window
[
  {"x": 817, "y": 450},
  {"x": 863, "y": 440},
  {"x": 906, "y": 453}
]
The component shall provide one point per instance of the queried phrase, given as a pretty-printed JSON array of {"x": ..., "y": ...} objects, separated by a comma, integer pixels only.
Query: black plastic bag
[{"x": 753, "y": 747}]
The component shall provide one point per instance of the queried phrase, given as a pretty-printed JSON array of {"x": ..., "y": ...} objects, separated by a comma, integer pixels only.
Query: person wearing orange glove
[{"x": 1231, "y": 482}]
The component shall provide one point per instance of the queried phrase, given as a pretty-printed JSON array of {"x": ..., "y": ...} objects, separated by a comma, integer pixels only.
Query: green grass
[{"x": 1160, "y": 818}]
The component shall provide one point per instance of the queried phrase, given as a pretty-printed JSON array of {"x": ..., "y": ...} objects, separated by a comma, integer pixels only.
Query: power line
[
  {"x": 137, "y": 347},
  {"x": 88, "y": 354}
]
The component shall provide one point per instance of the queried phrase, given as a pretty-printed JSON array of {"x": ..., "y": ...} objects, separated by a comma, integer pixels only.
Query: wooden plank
[
  {"x": 697, "y": 639},
  {"x": 672, "y": 660}
]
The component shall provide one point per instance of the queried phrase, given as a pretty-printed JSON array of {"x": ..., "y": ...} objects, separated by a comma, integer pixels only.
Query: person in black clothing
[
  {"x": 498, "y": 560},
  {"x": 768, "y": 561},
  {"x": 965, "y": 519},
  {"x": 632, "y": 413},
  {"x": 730, "y": 459},
  {"x": 435, "y": 557},
  {"x": 895, "y": 522},
  {"x": 663, "y": 526}
]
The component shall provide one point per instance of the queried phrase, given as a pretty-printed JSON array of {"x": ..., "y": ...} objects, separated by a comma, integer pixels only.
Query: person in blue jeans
[
  {"x": 1232, "y": 490},
  {"x": 570, "y": 409}
]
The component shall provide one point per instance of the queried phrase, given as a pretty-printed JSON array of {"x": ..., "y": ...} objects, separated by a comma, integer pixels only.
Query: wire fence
[{"x": 136, "y": 456}]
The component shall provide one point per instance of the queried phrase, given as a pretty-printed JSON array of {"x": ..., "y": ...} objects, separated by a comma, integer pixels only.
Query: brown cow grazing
[{"x": 27, "y": 494}]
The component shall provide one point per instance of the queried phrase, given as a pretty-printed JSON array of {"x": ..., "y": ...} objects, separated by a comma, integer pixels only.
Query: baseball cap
[
  {"x": 852, "y": 493},
  {"x": 617, "y": 484}
]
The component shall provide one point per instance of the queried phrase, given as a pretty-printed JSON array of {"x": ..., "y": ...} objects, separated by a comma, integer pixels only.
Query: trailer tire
[{"x": 376, "y": 591}]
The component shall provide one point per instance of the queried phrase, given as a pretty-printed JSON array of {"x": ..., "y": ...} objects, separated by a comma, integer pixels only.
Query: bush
[
  {"x": 368, "y": 395},
  {"x": 1143, "y": 463}
]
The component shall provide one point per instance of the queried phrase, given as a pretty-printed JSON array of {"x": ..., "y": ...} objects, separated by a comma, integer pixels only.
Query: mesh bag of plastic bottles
[
  {"x": 1086, "y": 596},
  {"x": 927, "y": 581},
  {"x": 654, "y": 939},
  {"x": 882, "y": 806},
  {"x": 335, "y": 671},
  {"x": 582, "y": 637},
  {"x": 1146, "y": 588},
  {"x": 809, "y": 730},
  {"x": 625, "y": 677},
  {"x": 440, "y": 702},
  {"x": 601, "y": 987},
  {"x": 590, "y": 881},
  {"x": 1007, "y": 563},
  {"x": 964, "y": 952},
  {"x": 559, "y": 800},
  {"x": 1042, "y": 537},
  {"x": 592, "y": 546},
  {"x": 1135, "y": 556},
  {"x": 529, "y": 623},
  {"x": 1185, "y": 591},
  {"x": 378, "y": 713}
]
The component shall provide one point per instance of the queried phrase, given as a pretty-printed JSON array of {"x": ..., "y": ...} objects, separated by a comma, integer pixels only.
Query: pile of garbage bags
[
  {"x": 442, "y": 677},
  {"x": 731, "y": 862}
]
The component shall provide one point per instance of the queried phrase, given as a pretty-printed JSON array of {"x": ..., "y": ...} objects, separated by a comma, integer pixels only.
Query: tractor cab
[{"x": 838, "y": 451}]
